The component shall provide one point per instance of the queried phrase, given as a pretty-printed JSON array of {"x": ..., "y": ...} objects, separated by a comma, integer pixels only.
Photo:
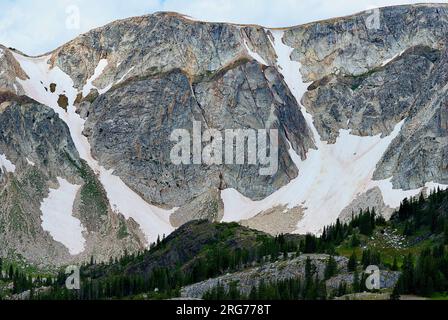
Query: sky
[{"x": 37, "y": 27}]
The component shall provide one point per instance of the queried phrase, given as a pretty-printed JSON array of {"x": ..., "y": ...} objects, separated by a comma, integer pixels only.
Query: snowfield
[
  {"x": 6, "y": 164},
  {"x": 58, "y": 220},
  {"x": 153, "y": 221}
]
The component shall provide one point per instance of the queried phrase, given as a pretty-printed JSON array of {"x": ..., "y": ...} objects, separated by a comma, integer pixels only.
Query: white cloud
[{"x": 36, "y": 27}]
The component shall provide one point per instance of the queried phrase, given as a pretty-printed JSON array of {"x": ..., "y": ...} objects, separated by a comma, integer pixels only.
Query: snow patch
[
  {"x": 393, "y": 197},
  {"x": 31, "y": 163},
  {"x": 153, "y": 221},
  {"x": 6, "y": 164},
  {"x": 97, "y": 73},
  {"x": 124, "y": 76},
  {"x": 254, "y": 55},
  {"x": 187, "y": 17},
  {"x": 40, "y": 77},
  {"x": 58, "y": 220},
  {"x": 329, "y": 179},
  {"x": 387, "y": 61}
]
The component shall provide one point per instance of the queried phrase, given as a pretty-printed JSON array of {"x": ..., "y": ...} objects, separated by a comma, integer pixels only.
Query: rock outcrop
[
  {"x": 268, "y": 273},
  {"x": 285, "y": 270}
]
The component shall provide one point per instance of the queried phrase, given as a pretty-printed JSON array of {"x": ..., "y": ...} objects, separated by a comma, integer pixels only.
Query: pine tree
[
  {"x": 356, "y": 282},
  {"x": 352, "y": 263},
  {"x": 253, "y": 293},
  {"x": 321, "y": 289},
  {"x": 355, "y": 242},
  {"x": 365, "y": 259},
  {"x": 395, "y": 265},
  {"x": 310, "y": 289},
  {"x": 342, "y": 289},
  {"x": 445, "y": 233},
  {"x": 396, "y": 292},
  {"x": 331, "y": 268},
  {"x": 261, "y": 290},
  {"x": 11, "y": 273},
  {"x": 234, "y": 293},
  {"x": 407, "y": 278}
]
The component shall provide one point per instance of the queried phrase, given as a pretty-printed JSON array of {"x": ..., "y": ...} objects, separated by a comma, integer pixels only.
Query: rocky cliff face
[
  {"x": 132, "y": 138},
  {"x": 419, "y": 154},
  {"x": 367, "y": 79},
  {"x": 360, "y": 112},
  {"x": 39, "y": 146},
  {"x": 357, "y": 44}
]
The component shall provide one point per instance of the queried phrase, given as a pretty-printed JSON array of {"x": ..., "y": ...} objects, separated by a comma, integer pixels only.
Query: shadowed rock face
[
  {"x": 177, "y": 71},
  {"x": 31, "y": 130},
  {"x": 420, "y": 152}
]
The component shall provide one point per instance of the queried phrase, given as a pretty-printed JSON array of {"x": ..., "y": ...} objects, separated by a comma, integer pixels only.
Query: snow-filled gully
[
  {"x": 58, "y": 220},
  {"x": 153, "y": 221}
]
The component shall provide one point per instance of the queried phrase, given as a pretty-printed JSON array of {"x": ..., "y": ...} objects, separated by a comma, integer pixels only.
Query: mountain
[{"x": 85, "y": 129}]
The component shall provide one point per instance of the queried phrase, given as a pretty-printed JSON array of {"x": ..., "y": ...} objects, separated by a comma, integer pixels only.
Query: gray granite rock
[
  {"x": 130, "y": 128},
  {"x": 268, "y": 273}
]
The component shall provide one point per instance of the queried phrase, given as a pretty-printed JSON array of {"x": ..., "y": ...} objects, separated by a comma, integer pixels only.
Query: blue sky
[{"x": 36, "y": 27}]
